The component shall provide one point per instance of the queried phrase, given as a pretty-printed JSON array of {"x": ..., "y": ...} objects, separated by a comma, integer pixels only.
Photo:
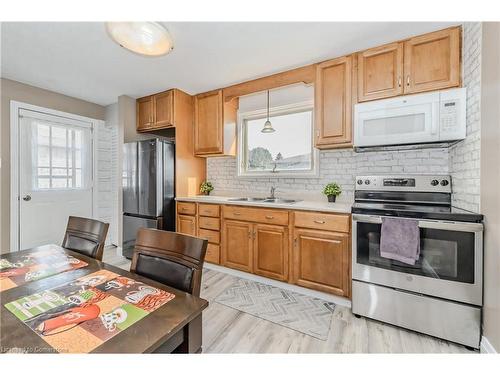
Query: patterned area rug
[{"x": 296, "y": 311}]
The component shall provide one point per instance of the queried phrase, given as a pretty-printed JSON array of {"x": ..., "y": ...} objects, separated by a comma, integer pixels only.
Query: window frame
[
  {"x": 69, "y": 129},
  {"x": 242, "y": 154}
]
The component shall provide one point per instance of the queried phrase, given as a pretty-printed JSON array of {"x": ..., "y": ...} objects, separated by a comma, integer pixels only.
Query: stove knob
[
  {"x": 367, "y": 182},
  {"x": 444, "y": 182},
  {"x": 434, "y": 182},
  {"x": 360, "y": 182}
]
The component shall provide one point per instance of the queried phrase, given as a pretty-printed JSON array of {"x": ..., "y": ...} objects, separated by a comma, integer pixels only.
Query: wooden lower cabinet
[
  {"x": 237, "y": 240},
  {"x": 213, "y": 253},
  {"x": 186, "y": 224},
  {"x": 270, "y": 251},
  {"x": 321, "y": 261}
]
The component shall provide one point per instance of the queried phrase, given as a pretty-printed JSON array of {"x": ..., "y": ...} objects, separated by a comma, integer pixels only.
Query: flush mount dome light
[{"x": 144, "y": 38}]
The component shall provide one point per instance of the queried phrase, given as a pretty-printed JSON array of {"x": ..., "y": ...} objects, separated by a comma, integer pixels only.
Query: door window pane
[{"x": 61, "y": 156}]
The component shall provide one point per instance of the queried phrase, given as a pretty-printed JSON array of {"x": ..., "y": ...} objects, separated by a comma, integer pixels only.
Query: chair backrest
[
  {"x": 170, "y": 258},
  {"x": 86, "y": 236}
]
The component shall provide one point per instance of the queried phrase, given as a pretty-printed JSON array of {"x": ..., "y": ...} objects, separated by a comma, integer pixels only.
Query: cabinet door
[
  {"x": 164, "y": 109},
  {"x": 208, "y": 123},
  {"x": 271, "y": 251},
  {"x": 144, "y": 113},
  {"x": 237, "y": 245},
  {"x": 321, "y": 261},
  {"x": 432, "y": 61},
  {"x": 380, "y": 72},
  {"x": 333, "y": 125},
  {"x": 186, "y": 224}
]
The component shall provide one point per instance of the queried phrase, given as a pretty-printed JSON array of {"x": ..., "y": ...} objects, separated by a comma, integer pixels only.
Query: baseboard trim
[
  {"x": 341, "y": 301},
  {"x": 486, "y": 347}
]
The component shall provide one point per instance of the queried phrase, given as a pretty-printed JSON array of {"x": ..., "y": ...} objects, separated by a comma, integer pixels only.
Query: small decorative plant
[
  {"x": 206, "y": 187},
  {"x": 332, "y": 190}
]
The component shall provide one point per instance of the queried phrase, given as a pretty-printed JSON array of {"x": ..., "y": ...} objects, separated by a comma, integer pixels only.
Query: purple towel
[{"x": 400, "y": 240}]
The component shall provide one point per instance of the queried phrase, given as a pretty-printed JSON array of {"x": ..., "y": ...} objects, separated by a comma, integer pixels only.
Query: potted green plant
[
  {"x": 332, "y": 190},
  {"x": 206, "y": 187}
]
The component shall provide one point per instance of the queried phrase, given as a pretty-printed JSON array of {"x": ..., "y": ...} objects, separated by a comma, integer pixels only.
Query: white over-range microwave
[{"x": 422, "y": 118}]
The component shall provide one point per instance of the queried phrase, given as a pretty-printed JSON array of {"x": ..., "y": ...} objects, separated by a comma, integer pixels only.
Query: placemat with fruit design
[
  {"x": 25, "y": 267},
  {"x": 78, "y": 316}
]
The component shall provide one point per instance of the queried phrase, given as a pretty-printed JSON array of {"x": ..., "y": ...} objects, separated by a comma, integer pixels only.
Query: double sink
[{"x": 264, "y": 200}]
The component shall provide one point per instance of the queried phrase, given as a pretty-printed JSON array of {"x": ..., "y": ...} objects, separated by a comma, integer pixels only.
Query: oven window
[{"x": 447, "y": 255}]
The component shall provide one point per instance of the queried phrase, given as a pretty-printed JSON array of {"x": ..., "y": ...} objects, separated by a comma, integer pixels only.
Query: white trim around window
[{"x": 242, "y": 142}]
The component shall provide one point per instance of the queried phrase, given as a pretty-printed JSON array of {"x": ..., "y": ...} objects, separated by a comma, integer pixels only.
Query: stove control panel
[{"x": 422, "y": 183}]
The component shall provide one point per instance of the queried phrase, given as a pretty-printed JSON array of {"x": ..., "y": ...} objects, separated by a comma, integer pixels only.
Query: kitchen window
[{"x": 287, "y": 151}]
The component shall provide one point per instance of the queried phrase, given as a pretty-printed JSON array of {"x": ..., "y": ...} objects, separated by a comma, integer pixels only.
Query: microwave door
[{"x": 394, "y": 122}]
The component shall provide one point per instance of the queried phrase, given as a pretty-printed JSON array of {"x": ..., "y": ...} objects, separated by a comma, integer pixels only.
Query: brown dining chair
[
  {"x": 170, "y": 258},
  {"x": 86, "y": 236}
]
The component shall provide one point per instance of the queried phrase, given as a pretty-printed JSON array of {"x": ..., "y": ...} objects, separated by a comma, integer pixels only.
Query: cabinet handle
[
  {"x": 236, "y": 214},
  {"x": 269, "y": 217},
  {"x": 295, "y": 242},
  {"x": 254, "y": 234},
  {"x": 319, "y": 221},
  {"x": 408, "y": 80},
  {"x": 249, "y": 234},
  {"x": 399, "y": 81}
]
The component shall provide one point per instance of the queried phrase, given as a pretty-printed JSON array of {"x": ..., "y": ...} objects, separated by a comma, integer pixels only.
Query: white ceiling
[{"x": 80, "y": 60}]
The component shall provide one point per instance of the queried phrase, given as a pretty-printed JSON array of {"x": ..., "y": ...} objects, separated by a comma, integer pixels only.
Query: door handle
[{"x": 27, "y": 198}]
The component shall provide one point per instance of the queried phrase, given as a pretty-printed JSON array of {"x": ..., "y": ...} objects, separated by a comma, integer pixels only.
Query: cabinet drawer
[
  {"x": 209, "y": 223},
  {"x": 186, "y": 208},
  {"x": 213, "y": 254},
  {"x": 318, "y": 220},
  {"x": 208, "y": 210},
  {"x": 211, "y": 235},
  {"x": 260, "y": 215}
]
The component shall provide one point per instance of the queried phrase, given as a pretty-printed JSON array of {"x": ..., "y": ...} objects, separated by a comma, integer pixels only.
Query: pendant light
[{"x": 268, "y": 127}]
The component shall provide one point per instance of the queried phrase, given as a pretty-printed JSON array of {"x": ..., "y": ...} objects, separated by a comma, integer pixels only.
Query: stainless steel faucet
[{"x": 273, "y": 190}]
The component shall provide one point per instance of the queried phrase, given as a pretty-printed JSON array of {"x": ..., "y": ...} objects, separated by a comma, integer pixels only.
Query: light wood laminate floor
[{"x": 226, "y": 330}]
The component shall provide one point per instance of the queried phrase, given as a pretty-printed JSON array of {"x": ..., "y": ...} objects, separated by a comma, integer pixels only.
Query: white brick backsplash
[
  {"x": 465, "y": 156},
  {"x": 461, "y": 160}
]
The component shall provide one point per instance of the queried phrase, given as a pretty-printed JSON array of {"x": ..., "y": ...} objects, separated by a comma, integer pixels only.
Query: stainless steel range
[{"x": 442, "y": 293}]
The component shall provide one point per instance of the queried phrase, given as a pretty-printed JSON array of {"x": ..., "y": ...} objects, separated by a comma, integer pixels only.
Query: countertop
[{"x": 304, "y": 205}]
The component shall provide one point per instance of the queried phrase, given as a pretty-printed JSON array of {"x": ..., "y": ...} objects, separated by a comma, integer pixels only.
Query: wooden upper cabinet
[
  {"x": 159, "y": 111},
  {"x": 432, "y": 61},
  {"x": 237, "y": 245},
  {"x": 144, "y": 113},
  {"x": 321, "y": 261},
  {"x": 333, "y": 103},
  {"x": 271, "y": 251},
  {"x": 214, "y": 124},
  {"x": 380, "y": 72},
  {"x": 163, "y": 108},
  {"x": 208, "y": 129}
]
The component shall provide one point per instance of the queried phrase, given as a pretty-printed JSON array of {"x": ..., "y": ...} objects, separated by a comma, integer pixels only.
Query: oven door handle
[{"x": 431, "y": 224}]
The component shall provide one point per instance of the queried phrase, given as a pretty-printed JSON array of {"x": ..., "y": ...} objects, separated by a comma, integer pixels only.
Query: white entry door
[{"x": 55, "y": 176}]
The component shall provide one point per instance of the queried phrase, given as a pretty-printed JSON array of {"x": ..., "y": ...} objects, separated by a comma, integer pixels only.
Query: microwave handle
[{"x": 435, "y": 118}]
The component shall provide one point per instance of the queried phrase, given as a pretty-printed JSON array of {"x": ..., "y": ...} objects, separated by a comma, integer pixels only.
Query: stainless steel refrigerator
[{"x": 148, "y": 188}]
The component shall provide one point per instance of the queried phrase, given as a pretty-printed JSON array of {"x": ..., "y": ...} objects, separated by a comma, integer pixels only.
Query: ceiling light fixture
[
  {"x": 268, "y": 127},
  {"x": 144, "y": 38}
]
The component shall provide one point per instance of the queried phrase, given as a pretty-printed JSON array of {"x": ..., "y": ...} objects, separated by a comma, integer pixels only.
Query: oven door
[{"x": 450, "y": 264}]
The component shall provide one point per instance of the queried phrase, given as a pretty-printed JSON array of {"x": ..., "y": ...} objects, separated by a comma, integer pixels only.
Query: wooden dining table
[{"x": 174, "y": 327}]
